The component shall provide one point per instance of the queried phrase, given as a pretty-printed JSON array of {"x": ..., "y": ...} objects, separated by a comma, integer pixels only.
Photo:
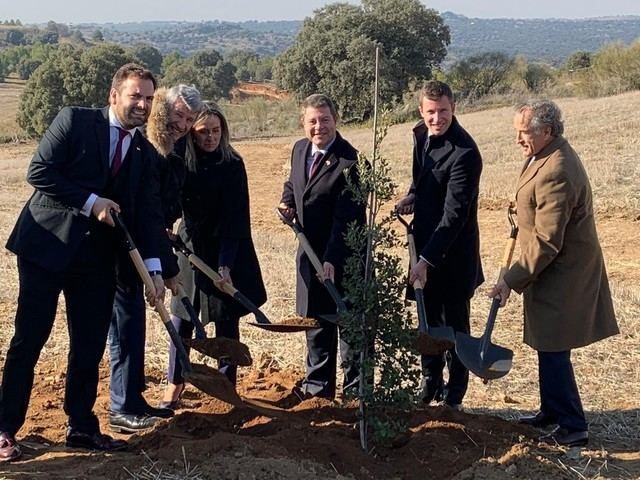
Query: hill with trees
[{"x": 541, "y": 40}]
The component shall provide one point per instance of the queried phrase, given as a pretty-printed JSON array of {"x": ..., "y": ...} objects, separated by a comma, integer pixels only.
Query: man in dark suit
[
  {"x": 88, "y": 162},
  {"x": 444, "y": 200},
  {"x": 316, "y": 193}
]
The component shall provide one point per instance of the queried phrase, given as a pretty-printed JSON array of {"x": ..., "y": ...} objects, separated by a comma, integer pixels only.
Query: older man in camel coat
[{"x": 561, "y": 271}]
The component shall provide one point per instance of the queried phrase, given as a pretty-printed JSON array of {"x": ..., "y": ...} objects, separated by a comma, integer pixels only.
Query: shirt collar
[
  {"x": 114, "y": 122},
  {"x": 324, "y": 151}
]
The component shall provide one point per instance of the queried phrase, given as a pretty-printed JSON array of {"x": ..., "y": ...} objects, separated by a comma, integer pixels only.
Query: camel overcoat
[{"x": 561, "y": 271}]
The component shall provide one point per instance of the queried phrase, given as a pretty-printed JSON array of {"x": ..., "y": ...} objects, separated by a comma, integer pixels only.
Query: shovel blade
[
  {"x": 443, "y": 333},
  {"x": 227, "y": 349},
  {"x": 283, "y": 328},
  {"x": 427, "y": 344},
  {"x": 495, "y": 363},
  {"x": 213, "y": 383}
]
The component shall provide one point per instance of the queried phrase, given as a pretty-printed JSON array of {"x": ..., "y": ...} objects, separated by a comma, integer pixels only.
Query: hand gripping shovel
[
  {"x": 431, "y": 340},
  {"x": 261, "y": 319},
  {"x": 228, "y": 349},
  {"x": 204, "y": 378},
  {"x": 479, "y": 355},
  {"x": 317, "y": 265}
]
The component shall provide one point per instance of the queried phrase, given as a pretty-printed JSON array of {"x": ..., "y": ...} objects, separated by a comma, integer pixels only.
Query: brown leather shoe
[
  {"x": 94, "y": 441},
  {"x": 9, "y": 448}
]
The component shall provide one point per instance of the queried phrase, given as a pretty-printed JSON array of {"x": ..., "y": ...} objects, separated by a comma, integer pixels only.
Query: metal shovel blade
[
  {"x": 293, "y": 324},
  {"x": 213, "y": 383},
  {"x": 495, "y": 363},
  {"x": 227, "y": 349}
]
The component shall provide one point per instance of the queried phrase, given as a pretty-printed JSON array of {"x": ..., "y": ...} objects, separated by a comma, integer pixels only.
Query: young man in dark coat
[
  {"x": 88, "y": 162},
  {"x": 316, "y": 194},
  {"x": 444, "y": 200}
]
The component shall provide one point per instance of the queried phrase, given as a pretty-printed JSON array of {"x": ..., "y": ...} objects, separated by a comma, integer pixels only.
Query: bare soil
[{"x": 271, "y": 434}]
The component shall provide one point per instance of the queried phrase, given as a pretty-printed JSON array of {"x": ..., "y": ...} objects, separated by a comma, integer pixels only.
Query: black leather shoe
[
  {"x": 94, "y": 441},
  {"x": 562, "y": 436},
  {"x": 539, "y": 420},
  {"x": 158, "y": 412},
  {"x": 130, "y": 422}
]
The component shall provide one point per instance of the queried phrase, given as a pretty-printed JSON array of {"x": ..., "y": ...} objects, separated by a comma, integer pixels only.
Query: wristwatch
[{"x": 153, "y": 273}]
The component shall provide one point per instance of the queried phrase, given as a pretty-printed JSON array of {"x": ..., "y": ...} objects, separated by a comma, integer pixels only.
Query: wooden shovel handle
[{"x": 413, "y": 257}]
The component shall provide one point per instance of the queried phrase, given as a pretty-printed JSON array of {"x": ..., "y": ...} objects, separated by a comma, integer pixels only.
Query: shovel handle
[
  {"x": 423, "y": 326},
  {"x": 315, "y": 261},
  {"x": 134, "y": 254},
  {"x": 193, "y": 316},
  {"x": 225, "y": 287}
]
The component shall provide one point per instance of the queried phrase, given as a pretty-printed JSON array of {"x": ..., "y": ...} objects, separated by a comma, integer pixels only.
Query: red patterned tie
[
  {"x": 317, "y": 158},
  {"x": 117, "y": 157}
]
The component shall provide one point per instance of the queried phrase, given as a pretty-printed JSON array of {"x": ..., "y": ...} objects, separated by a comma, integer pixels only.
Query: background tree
[
  {"x": 15, "y": 37},
  {"x": 148, "y": 56},
  {"x": 26, "y": 67},
  {"x": 338, "y": 40},
  {"x": 479, "y": 75},
  {"x": 97, "y": 36},
  {"x": 207, "y": 70},
  {"x": 99, "y": 63},
  {"x": 41, "y": 99},
  {"x": 578, "y": 60}
]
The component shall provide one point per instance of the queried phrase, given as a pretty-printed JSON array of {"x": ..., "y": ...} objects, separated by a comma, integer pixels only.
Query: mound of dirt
[{"x": 274, "y": 434}]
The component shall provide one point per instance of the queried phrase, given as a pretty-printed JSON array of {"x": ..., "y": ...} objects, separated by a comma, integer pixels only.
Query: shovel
[
  {"x": 317, "y": 265},
  {"x": 261, "y": 319},
  {"x": 228, "y": 349},
  {"x": 479, "y": 355},
  {"x": 203, "y": 377},
  {"x": 431, "y": 340}
]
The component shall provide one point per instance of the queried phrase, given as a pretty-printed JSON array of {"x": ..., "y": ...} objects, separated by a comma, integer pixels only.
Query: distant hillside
[
  {"x": 546, "y": 40},
  {"x": 264, "y": 38}
]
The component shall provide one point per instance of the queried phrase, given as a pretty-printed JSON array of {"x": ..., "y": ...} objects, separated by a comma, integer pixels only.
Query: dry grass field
[{"x": 605, "y": 134}]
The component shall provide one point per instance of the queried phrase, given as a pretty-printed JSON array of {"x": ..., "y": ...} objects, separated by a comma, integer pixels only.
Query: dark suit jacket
[
  {"x": 72, "y": 161},
  {"x": 324, "y": 208},
  {"x": 446, "y": 184}
]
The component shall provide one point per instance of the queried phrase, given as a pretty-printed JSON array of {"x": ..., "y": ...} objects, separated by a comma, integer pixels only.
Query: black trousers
[
  {"x": 88, "y": 288},
  {"x": 559, "y": 396},
  {"x": 455, "y": 314},
  {"x": 126, "y": 350},
  {"x": 321, "y": 362}
]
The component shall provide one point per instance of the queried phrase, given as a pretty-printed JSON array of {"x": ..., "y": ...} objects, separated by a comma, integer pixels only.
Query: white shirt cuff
[
  {"x": 88, "y": 205},
  {"x": 426, "y": 261},
  {"x": 153, "y": 264}
]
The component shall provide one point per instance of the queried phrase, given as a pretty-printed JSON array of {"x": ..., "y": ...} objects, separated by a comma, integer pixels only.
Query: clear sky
[{"x": 99, "y": 11}]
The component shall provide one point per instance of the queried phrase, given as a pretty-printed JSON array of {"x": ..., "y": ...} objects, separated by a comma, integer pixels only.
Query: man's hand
[
  {"x": 502, "y": 291},
  {"x": 419, "y": 272},
  {"x": 172, "y": 236},
  {"x": 102, "y": 210},
  {"x": 405, "y": 206},
  {"x": 225, "y": 273},
  {"x": 172, "y": 284},
  {"x": 157, "y": 295},
  {"x": 328, "y": 272},
  {"x": 288, "y": 212}
]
